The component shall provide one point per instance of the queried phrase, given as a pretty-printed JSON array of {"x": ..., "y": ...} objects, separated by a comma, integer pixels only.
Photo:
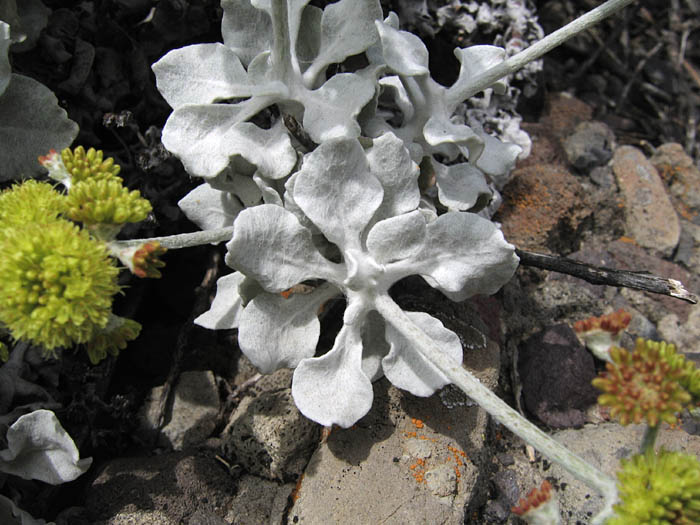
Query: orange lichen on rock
[
  {"x": 417, "y": 422},
  {"x": 538, "y": 201},
  {"x": 297, "y": 488},
  {"x": 418, "y": 470}
]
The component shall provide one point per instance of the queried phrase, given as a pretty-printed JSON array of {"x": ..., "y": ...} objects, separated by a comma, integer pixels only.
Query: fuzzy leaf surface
[
  {"x": 333, "y": 389},
  {"x": 209, "y": 208},
  {"x": 38, "y": 447},
  {"x": 225, "y": 310},
  {"x": 32, "y": 123},
  {"x": 271, "y": 246},
  {"x": 407, "y": 368},
  {"x": 277, "y": 332}
]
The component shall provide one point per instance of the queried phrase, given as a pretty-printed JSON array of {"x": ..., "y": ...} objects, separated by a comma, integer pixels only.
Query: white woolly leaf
[{"x": 38, "y": 447}]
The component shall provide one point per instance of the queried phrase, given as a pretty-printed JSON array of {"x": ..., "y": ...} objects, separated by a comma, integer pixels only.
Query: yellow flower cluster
[
  {"x": 58, "y": 280},
  {"x": 651, "y": 383},
  {"x": 661, "y": 487},
  {"x": 57, "y": 284},
  {"x": 89, "y": 165},
  {"x": 105, "y": 201}
]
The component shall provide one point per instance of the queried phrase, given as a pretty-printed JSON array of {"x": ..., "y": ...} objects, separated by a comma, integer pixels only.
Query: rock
[
  {"x": 604, "y": 446},
  {"x": 603, "y": 177},
  {"x": 601, "y": 445},
  {"x": 685, "y": 335},
  {"x": 269, "y": 437},
  {"x": 544, "y": 207},
  {"x": 650, "y": 217},
  {"x": 688, "y": 252},
  {"x": 556, "y": 372},
  {"x": 590, "y": 145},
  {"x": 682, "y": 177},
  {"x": 192, "y": 417},
  {"x": 165, "y": 489},
  {"x": 564, "y": 113},
  {"x": 259, "y": 501},
  {"x": 410, "y": 459}
]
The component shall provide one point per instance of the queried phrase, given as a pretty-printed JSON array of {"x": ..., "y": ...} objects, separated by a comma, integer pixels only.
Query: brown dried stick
[{"x": 607, "y": 276}]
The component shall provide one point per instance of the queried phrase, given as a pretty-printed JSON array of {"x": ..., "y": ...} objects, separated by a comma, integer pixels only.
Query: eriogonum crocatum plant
[{"x": 353, "y": 177}]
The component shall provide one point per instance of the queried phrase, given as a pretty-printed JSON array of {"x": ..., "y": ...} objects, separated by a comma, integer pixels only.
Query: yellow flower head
[
  {"x": 30, "y": 202},
  {"x": 659, "y": 488},
  {"x": 644, "y": 384},
  {"x": 57, "y": 283}
]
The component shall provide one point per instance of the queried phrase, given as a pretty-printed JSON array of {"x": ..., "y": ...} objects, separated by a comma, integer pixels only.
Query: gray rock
[
  {"x": 685, "y": 335},
  {"x": 369, "y": 473},
  {"x": 650, "y": 217},
  {"x": 603, "y": 177},
  {"x": 681, "y": 175},
  {"x": 192, "y": 417},
  {"x": 688, "y": 252},
  {"x": 603, "y": 446},
  {"x": 259, "y": 501},
  {"x": 410, "y": 460},
  {"x": 269, "y": 437},
  {"x": 590, "y": 145},
  {"x": 161, "y": 489}
]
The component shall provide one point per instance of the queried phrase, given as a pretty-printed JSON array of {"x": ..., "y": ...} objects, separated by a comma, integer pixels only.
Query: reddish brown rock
[
  {"x": 649, "y": 214},
  {"x": 544, "y": 205},
  {"x": 564, "y": 113}
]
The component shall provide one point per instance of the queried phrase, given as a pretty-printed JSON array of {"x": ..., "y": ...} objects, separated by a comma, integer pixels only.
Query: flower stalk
[
  {"x": 537, "y": 50},
  {"x": 181, "y": 240}
]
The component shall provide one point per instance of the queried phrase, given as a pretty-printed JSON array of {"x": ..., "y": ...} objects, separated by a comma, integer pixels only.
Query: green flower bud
[
  {"x": 30, "y": 202},
  {"x": 658, "y": 488},
  {"x": 112, "y": 338},
  {"x": 89, "y": 165},
  {"x": 690, "y": 374},
  {"x": 57, "y": 283},
  {"x": 105, "y": 201}
]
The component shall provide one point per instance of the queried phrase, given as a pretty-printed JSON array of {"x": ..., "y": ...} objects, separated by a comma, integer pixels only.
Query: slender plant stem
[
  {"x": 536, "y": 50},
  {"x": 182, "y": 240},
  {"x": 498, "y": 409},
  {"x": 649, "y": 438}
]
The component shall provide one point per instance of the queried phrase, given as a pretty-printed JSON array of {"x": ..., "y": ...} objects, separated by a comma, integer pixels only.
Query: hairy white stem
[
  {"x": 182, "y": 240},
  {"x": 498, "y": 409},
  {"x": 536, "y": 50}
]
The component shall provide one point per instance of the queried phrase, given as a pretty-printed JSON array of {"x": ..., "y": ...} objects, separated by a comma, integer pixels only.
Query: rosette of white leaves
[
  {"x": 428, "y": 109},
  {"x": 366, "y": 203},
  {"x": 274, "y": 52}
]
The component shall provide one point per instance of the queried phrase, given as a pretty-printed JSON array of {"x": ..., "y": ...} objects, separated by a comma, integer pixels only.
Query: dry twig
[{"x": 608, "y": 276}]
